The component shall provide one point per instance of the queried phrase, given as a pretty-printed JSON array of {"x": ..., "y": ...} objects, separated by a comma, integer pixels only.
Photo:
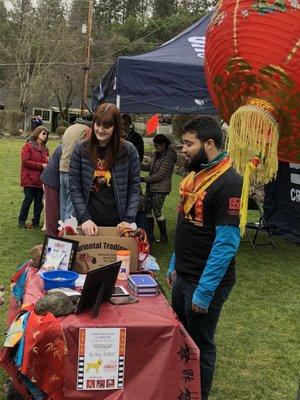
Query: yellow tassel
[
  {"x": 254, "y": 130},
  {"x": 250, "y": 168}
]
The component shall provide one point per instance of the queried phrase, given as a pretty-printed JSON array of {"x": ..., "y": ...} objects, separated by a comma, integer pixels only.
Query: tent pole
[{"x": 118, "y": 101}]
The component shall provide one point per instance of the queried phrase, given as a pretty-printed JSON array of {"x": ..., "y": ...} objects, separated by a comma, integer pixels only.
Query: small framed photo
[{"x": 58, "y": 253}]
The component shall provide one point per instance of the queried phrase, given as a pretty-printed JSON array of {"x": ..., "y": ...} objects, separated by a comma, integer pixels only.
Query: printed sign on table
[
  {"x": 58, "y": 253},
  {"x": 101, "y": 358}
]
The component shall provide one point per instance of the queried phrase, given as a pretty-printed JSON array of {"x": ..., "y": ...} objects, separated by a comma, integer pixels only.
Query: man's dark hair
[{"x": 205, "y": 128}]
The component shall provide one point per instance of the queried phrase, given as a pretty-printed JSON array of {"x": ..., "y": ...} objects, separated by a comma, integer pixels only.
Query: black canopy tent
[
  {"x": 282, "y": 202},
  {"x": 169, "y": 79}
]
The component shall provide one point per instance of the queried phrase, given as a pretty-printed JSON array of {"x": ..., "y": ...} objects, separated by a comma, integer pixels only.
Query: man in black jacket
[
  {"x": 207, "y": 237},
  {"x": 132, "y": 136}
]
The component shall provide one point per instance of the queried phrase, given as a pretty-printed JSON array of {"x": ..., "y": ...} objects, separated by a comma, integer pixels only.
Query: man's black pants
[{"x": 201, "y": 327}]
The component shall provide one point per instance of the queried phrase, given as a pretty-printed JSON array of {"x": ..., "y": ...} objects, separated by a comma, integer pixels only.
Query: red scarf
[
  {"x": 194, "y": 184},
  {"x": 43, "y": 356}
]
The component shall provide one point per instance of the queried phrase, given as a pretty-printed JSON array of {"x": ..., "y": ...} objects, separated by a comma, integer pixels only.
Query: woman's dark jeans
[
  {"x": 201, "y": 327},
  {"x": 36, "y": 195}
]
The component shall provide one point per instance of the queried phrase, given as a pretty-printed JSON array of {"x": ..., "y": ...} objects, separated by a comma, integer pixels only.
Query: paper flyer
[
  {"x": 62, "y": 249},
  {"x": 101, "y": 358}
]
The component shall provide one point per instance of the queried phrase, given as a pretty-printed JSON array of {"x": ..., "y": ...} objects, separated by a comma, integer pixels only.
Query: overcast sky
[{"x": 8, "y": 2}]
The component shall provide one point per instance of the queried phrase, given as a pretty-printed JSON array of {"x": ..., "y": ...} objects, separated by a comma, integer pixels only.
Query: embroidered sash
[{"x": 194, "y": 184}]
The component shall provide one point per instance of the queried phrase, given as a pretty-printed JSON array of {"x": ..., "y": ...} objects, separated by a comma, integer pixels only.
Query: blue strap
[
  {"x": 171, "y": 265},
  {"x": 224, "y": 248},
  {"x": 19, "y": 287},
  {"x": 20, "y": 351}
]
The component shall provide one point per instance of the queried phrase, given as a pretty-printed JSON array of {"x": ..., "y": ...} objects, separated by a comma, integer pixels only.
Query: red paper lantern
[{"x": 252, "y": 63}]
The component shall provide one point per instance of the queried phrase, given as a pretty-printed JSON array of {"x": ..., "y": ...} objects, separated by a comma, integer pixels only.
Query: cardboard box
[{"x": 96, "y": 251}]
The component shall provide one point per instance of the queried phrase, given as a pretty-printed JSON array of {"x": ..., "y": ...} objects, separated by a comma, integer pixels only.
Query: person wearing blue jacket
[
  {"x": 202, "y": 269},
  {"x": 104, "y": 174}
]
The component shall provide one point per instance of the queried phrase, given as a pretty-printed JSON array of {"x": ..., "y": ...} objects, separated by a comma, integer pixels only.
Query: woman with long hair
[
  {"x": 34, "y": 158},
  {"x": 104, "y": 174}
]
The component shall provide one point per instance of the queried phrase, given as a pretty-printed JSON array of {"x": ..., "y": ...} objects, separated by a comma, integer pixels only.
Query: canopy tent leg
[{"x": 118, "y": 101}]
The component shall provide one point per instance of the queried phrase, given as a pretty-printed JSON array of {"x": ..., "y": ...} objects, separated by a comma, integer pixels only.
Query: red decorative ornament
[
  {"x": 152, "y": 124},
  {"x": 252, "y": 67}
]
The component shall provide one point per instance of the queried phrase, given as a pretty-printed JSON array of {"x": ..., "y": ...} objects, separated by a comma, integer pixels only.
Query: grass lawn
[{"x": 256, "y": 337}]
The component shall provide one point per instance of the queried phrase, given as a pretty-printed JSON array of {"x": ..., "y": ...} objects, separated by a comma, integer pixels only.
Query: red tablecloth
[{"x": 162, "y": 361}]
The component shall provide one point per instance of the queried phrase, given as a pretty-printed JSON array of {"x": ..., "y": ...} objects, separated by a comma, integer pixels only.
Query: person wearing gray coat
[
  {"x": 73, "y": 134},
  {"x": 104, "y": 174},
  {"x": 158, "y": 184}
]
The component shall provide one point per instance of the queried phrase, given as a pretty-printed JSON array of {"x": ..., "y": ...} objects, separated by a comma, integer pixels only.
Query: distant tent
[
  {"x": 169, "y": 79},
  {"x": 282, "y": 202}
]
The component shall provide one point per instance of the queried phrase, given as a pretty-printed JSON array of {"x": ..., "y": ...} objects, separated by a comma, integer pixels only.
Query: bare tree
[
  {"x": 36, "y": 48},
  {"x": 63, "y": 86}
]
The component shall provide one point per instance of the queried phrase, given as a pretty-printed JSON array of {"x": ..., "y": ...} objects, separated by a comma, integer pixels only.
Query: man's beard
[{"x": 197, "y": 161}]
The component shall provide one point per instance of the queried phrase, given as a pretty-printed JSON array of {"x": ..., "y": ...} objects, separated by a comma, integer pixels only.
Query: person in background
[
  {"x": 132, "y": 136},
  {"x": 51, "y": 181},
  {"x": 2, "y": 289},
  {"x": 158, "y": 184},
  {"x": 129, "y": 134},
  {"x": 34, "y": 158},
  {"x": 104, "y": 175},
  {"x": 73, "y": 134},
  {"x": 33, "y": 123},
  {"x": 36, "y": 121},
  {"x": 207, "y": 237},
  {"x": 39, "y": 121}
]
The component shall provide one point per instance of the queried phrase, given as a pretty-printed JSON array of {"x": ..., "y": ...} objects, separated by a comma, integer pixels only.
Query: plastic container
[
  {"x": 59, "y": 278},
  {"x": 124, "y": 256}
]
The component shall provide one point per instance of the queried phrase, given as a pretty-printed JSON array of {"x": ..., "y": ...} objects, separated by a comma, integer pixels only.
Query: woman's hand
[
  {"x": 124, "y": 224},
  {"x": 89, "y": 228}
]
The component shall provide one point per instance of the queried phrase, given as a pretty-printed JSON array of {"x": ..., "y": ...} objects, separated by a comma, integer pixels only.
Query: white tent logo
[
  {"x": 198, "y": 44},
  {"x": 295, "y": 178},
  {"x": 199, "y": 102}
]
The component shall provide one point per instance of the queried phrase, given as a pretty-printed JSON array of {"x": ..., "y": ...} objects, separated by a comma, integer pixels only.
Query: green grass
[{"x": 256, "y": 337}]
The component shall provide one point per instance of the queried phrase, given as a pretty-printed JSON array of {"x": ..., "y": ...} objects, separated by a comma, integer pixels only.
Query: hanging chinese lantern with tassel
[{"x": 252, "y": 65}]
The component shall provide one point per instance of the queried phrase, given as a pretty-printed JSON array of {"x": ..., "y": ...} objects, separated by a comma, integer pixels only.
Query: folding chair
[{"x": 260, "y": 226}]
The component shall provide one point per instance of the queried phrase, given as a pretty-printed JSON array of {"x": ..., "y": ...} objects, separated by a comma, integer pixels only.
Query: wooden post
[{"x": 87, "y": 66}]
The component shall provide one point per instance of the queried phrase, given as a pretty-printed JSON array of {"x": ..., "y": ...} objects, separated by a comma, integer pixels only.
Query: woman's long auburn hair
[{"x": 106, "y": 114}]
